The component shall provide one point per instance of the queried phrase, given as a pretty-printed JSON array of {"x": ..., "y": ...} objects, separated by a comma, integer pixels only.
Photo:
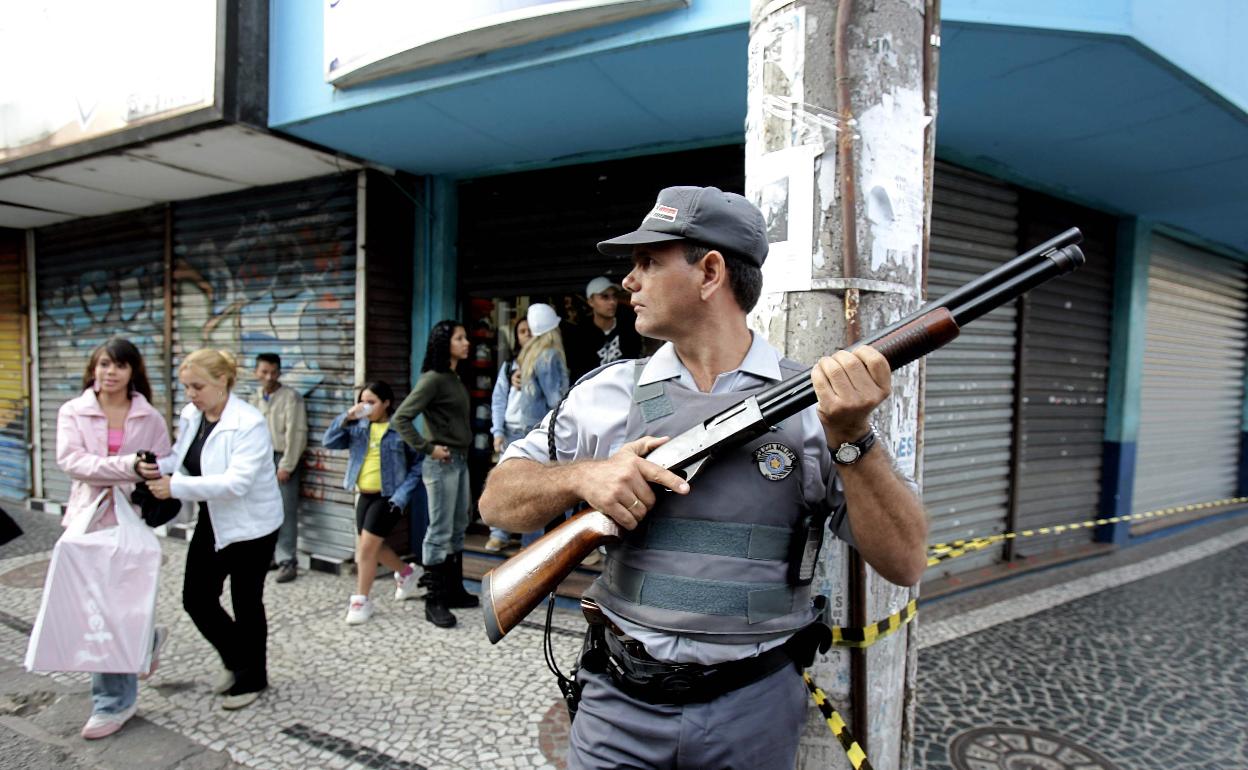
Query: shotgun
[{"x": 511, "y": 590}]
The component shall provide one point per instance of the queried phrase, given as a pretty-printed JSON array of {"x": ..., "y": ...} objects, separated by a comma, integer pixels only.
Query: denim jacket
[
  {"x": 400, "y": 464},
  {"x": 540, "y": 394}
]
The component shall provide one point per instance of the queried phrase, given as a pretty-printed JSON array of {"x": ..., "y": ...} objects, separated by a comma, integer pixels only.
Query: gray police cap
[{"x": 707, "y": 215}]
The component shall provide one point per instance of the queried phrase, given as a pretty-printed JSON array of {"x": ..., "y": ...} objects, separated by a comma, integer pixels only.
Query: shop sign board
[
  {"x": 370, "y": 39},
  {"x": 80, "y": 69}
]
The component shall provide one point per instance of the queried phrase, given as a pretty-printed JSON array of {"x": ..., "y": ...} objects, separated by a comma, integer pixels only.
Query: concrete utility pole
[{"x": 839, "y": 155}]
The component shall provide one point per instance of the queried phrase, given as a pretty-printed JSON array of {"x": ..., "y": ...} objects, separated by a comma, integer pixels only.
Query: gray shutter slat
[
  {"x": 969, "y": 401},
  {"x": 95, "y": 278},
  {"x": 1190, "y": 405}
]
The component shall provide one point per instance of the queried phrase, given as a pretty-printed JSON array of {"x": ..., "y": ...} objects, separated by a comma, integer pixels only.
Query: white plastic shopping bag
[{"x": 99, "y": 600}]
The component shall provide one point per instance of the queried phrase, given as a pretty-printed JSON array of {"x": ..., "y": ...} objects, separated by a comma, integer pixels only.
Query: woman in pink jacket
[{"x": 98, "y": 437}]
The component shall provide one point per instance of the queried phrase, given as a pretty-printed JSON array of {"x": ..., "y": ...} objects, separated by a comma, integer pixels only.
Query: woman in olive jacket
[{"x": 442, "y": 399}]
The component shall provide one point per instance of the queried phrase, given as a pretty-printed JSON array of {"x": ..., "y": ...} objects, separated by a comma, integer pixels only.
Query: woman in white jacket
[{"x": 223, "y": 460}]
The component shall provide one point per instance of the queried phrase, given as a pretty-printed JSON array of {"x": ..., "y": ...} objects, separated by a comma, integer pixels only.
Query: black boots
[
  {"x": 456, "y": 596},
  {"x": 436, "y": 579},
  {"x": 444, "y": 584}
]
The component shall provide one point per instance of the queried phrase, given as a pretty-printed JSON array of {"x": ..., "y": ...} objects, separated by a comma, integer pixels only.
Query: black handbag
[
  {"x": 154, "y": 512},
  {"x": 8, "y": 528}
]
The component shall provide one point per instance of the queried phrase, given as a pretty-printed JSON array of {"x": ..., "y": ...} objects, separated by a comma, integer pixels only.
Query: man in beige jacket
[{"x": 283, "y": 409}]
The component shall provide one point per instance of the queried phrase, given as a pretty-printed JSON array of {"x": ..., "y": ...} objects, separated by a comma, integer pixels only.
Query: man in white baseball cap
[{"x": 603, "y": 338}]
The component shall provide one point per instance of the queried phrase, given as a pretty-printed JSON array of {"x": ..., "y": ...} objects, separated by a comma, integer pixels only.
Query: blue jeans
[
  {"x": 113, "y": 693},
  {"x": 288, "y": 533},
  {"x": 446, "y": 484},
  {"x": 496, "y": 532}
]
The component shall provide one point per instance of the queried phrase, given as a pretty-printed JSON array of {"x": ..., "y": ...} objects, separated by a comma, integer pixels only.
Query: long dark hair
[
  {"x": 438, "y": 351},
  {"x": 121, "y": 351},
  {"x": 382, "y": 391},
  {"x": 515, "y": 341}
]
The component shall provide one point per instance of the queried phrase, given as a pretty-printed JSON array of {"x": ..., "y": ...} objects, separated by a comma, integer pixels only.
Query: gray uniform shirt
[{"x": 591, "y": 426}]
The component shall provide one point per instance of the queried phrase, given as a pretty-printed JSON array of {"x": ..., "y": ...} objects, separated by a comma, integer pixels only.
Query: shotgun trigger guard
[{"x": 692, "y": 470}]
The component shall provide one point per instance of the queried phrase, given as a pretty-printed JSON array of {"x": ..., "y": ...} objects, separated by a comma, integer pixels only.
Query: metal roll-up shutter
[
  {"x": 536, "y": 233},
  {"x": 14, "y": 395},
  {"x": 969, "y": 401},
  {"x": 96, "y": 278},
  {"x": 273, "y": 270},
  {"x": 1191, "y": 400},
  {"x": 1064, "y": 361},
  {"x": 391, "y": 230}
]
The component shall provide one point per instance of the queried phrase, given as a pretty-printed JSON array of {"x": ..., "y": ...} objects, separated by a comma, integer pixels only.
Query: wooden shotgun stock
[{"x": 510, "y": 591}]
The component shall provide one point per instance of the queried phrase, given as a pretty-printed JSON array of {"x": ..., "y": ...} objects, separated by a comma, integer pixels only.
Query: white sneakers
[
  {"x": 234, "y": 702},
  {"x": 406, "y": 587},
  {"x": 104, "y": 725},
  {"x": 360, "y": 610},
  {"x": 223, "y": 683}
]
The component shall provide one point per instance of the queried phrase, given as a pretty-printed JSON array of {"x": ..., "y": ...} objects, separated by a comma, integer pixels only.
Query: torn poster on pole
[{"x": 782, "y": 185}]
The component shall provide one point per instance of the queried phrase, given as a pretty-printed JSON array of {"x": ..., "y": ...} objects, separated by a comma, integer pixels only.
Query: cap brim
[{"x": 622, "y": 246}]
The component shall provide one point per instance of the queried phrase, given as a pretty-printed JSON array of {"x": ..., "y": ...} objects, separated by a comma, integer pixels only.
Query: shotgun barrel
[{"x": 511, "y": 590}]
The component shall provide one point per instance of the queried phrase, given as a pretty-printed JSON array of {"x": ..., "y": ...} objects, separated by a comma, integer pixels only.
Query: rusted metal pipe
[{"x": 845, "y": 163}]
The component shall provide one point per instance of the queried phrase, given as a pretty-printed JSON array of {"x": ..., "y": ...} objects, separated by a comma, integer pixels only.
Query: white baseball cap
[
  {"x": 542, "y": 318},
  {"x": 599, "y": 285}
]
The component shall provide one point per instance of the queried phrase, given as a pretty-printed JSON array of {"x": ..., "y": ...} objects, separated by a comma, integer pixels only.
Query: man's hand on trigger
[
  {"x": 620, "y": 485},
  {"x": 849, "y": 387}
]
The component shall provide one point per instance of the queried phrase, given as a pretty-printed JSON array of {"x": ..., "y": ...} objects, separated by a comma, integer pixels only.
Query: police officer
[{"x": 704, "y": 614}]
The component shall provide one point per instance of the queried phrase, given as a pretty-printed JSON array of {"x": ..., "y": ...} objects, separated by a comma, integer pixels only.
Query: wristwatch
[{"x": 852, "y": 451}]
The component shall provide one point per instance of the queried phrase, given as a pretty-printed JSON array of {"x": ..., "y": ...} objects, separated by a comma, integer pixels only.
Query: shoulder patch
[{"x": 775, "y": 461}]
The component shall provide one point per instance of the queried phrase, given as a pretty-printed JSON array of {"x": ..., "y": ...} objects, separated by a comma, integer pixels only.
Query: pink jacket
[{"x": 82, "y": 450}]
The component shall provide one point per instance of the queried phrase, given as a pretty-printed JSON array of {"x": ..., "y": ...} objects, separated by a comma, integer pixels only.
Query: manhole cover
[
  {"x": 34, "y": 574},
  {"x": 29, "y": 576},
  {"x": 552, "y": 734},
  {"x": 1017, "y": 748}
]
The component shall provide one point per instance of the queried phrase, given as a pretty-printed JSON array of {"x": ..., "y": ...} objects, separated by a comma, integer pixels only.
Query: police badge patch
[{"x": 775, "y": 461}]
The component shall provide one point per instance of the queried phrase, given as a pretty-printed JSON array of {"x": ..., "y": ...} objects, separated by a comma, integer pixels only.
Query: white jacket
[{"x": 239, "y": 481}]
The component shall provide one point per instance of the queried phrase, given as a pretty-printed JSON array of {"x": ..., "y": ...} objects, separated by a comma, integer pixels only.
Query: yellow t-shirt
[{"x": 370, "y": 473}]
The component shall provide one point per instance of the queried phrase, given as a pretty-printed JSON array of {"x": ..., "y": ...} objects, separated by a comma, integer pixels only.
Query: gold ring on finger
[{"x": 636, "y": 502}]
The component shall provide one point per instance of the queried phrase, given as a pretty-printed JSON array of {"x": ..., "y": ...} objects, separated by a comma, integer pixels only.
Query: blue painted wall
[
  {"x": 296, "y": 60},
  {"x": 1203, "y": 38},
  {"x": 1126, "y": 372}
]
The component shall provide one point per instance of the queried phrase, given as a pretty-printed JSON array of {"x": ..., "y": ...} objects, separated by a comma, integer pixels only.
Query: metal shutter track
[
  {"x": 1192, "y": 393},
  {"x": 273, "y": 269},
  {"x": 14, "y": 409},
  {"x": 969, "y": 403}
]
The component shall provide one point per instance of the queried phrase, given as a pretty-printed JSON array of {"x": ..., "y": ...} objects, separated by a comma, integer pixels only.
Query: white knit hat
[{"x": 542, "y": 318}]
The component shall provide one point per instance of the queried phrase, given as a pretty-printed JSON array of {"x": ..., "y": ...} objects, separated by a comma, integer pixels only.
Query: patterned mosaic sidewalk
[
  {"x": 1150, "y": 674},
  {"x": 1142, "y": 666},
  {"x": 393, "y": 693}
]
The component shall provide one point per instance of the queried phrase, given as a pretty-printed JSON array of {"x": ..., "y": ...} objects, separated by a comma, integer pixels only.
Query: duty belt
[{"x": 637, "y": 673}]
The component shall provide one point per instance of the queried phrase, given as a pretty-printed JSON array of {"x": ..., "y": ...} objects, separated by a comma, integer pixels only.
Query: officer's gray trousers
[{"x": 754, "y": 727}]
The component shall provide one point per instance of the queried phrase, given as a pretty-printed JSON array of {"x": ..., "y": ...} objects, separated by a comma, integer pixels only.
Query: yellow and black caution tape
[
  {"x": 940, "y": 552},
  {"x": 856, "y": 637},
  {"x": 865, "y": 637},
  {"x": 857, "y": 757}
]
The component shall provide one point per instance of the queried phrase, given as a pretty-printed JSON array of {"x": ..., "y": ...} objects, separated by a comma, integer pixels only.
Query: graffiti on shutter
[{"x": 273, "y": 270}]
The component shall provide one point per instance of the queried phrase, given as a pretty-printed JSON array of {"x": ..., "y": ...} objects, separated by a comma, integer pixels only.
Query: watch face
[{"x": 847, "y": 453}]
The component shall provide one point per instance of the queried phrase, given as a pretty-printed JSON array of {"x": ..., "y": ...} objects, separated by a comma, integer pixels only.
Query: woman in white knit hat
[
  {"x": 539, "y": 381},
  {"x": 541, "y": 371}
]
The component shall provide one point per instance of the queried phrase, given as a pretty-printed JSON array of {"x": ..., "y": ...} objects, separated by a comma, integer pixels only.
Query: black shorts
[{"x": 374, "y": 514}]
